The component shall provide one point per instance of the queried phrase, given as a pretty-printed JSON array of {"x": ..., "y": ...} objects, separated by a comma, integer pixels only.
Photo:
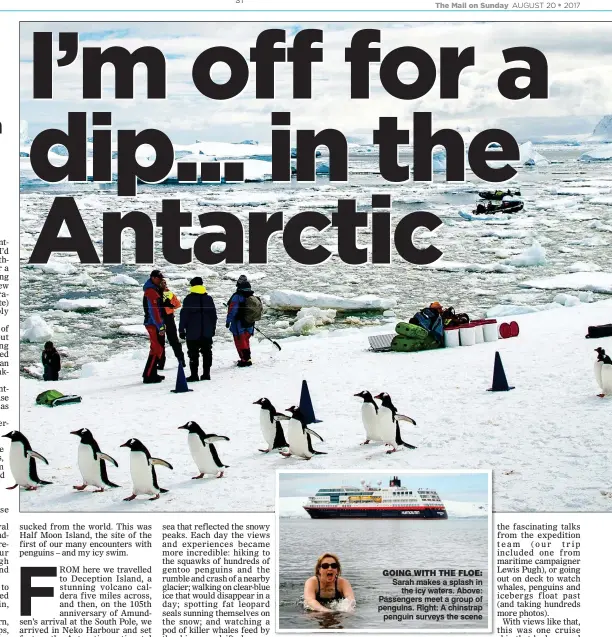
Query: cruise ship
[{"x": 394, "y": 501}]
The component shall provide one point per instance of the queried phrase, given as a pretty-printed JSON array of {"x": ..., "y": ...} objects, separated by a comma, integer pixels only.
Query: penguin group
[
  {"x": 382, "y": 422},
  {"x": 92, "y": 462},
  {"x": 603, "y": 372},
  {"x": 295, "y": 440}
]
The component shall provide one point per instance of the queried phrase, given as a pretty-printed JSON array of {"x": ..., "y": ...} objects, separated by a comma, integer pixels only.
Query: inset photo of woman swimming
[{"x": 399, "y": 552}]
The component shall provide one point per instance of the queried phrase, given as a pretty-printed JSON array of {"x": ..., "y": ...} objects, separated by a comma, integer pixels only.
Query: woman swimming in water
[{"x": 326, "y": 585}]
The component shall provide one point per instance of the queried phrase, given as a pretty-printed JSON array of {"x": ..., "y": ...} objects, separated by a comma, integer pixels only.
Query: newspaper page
[{"x": 305, "y": 318}]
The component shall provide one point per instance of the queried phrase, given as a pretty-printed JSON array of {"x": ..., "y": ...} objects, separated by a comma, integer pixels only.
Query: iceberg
[
  {"x": 600, "y": 153},
  {"x": 588, "y": 281},
  {"x": 438, "y": 161},
  {"x": 123, "y": 279},
  {"x": 603, "y": 130},
  {"x": 76, "y": 305},
  {"x": 529, "y": 156},
  {"x": 36, "y": 330},
  {"x": 534, "y": 255}
]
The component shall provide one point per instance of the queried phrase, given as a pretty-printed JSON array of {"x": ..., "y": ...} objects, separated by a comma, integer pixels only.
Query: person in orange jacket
[{"x": 170, "y": 303}]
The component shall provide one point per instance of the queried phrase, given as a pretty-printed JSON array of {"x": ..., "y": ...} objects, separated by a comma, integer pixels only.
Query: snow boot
[
  {"x": 153, "y": 379},
  {"x": 206, "y": 374},
  {"x": 193, "y": 368}
]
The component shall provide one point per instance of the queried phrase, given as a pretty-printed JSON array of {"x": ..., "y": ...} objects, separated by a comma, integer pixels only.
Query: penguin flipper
[
  {"x": 279, "y": 438},
  {"x": 278, "y": 416},
  {"x": 161, "y": 462},
  {"x": 163, "y": 490},
  {"x": 319, "y": 453},
  {"x": 104, "y": 475},
  {"x": 44, "y": 482},
  {"x": 313, "y": 433},
  {"x": 405, "y": 419},
  {"x": 35, "y": 454},
  {"x": 407, "y": 445},
  {"x": 215, "y": 438},
  {"x": 215, "y": 456},
  {"x": 105, "y": 456}
]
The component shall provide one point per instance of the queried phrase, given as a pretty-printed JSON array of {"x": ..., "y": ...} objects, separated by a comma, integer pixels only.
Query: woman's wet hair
[{"x": 321, "y": 559}]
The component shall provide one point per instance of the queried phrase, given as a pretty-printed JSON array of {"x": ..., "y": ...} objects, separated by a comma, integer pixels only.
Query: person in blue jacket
[
  {"x": 241, "y": 331},
  {"x": 197, "y": 325}
]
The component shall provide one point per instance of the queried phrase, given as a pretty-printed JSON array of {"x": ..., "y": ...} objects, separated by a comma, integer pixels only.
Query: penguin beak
[
  {"x": 125, "y": 444},
  {"x": 379, "y": 396},
  {"x": 75, "y": 433},
  {"x": 257, "y": 402},
  {"x": 183, "y": 427},
  {"x": 6, "y": 436},
  {"x": 358, "y": 395}
]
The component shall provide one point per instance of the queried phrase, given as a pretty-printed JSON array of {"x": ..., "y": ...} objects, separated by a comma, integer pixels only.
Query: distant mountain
[{"x": 603, "y": 130}]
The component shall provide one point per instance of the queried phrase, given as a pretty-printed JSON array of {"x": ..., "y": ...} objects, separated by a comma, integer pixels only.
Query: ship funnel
[{"x": 395, "y": 482}]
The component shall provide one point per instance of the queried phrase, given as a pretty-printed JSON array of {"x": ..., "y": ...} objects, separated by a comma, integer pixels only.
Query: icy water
[
  {"x": 567, "y": 209},
  {"x": 366, "y": 548}
]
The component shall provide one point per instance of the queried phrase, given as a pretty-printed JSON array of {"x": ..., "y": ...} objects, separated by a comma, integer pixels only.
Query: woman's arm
[
  {"x": 310, "y": 596},
  {"x": 346, "y": 589}
]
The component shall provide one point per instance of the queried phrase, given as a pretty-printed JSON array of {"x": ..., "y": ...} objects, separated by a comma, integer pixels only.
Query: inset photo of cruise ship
[{"x": 403, "y": 551}]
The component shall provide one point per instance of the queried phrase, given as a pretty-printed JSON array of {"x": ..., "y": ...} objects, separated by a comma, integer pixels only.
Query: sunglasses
[{"x": 326, "y": 565}]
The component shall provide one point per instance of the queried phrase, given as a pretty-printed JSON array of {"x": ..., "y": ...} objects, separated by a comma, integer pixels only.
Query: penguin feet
[
  {"x": 129, "y": 498},
  {"x": 391, "y": 450},
  {"x": 13, "y": 487},
  {"x": 220, "y": 474},
  {"x": 285, "y": 454},
  {"x": 31, "y": 488},
  {"x": 264, "y": 450},
  {"x": 601, "y": 395},
  {"x": 155, "y": 497},
  {"x": 79, "y": 487},
  {"x": 99, "y": 491},
  {"x": 367, "y": 442},
  {"x": 198, "y": 477}
]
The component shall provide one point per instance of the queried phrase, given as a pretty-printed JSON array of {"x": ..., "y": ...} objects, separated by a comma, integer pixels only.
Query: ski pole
[{"x": 267, "y": 337}]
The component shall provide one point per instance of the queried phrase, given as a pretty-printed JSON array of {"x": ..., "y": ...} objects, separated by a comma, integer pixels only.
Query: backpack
[{"x": 252, "y": 310}]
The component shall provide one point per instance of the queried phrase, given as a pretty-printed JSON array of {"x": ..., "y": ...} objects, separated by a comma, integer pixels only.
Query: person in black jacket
[
  {"x": 51, "y": 362},
  {"x": 197, "y": 325}
]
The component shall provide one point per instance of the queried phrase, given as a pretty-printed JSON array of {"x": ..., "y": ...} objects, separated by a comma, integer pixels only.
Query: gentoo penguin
[
  {"x": 203, "y": 451},
  {"x": 22, "y": 462},
  {"x": 298, "y": 436},
  {"x": 369, "y": 416},
  {"x": 601, "y": 353},
  {"x": 92, "y": 462},
  {"x": 142, "y": 468},
  {"x": 388, "y": 423},
  {"x": 271, "y": 428},
  {"x": 606, "y": 377}
]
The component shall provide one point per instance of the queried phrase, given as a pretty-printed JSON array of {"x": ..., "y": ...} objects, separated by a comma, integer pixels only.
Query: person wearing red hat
[{"x": 154, "y": 324}]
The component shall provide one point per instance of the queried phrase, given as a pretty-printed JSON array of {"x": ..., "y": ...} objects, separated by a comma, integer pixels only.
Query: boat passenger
[{"x": 326, "y": 585}]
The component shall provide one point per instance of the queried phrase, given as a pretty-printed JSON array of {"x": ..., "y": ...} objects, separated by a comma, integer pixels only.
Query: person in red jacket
[{"x": 154, "y": 324}]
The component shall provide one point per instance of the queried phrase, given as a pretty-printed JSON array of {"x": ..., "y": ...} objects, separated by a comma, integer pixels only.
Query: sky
[
  {"x": 579, "y": 63},
  {"x": 459, "y": 487}
]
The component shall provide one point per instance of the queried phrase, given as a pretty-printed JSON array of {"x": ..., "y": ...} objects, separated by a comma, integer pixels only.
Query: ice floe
[
  {"x": 76, "y": 305},
  {"x": 529, "y": 156},
  {"x": 122, "y": 279},
  {"x": 294, "y": 300},
  {"x": 590, "y": 281},
  {"x": 534, "y": 255},
  {"x": 600, "y": 153}
]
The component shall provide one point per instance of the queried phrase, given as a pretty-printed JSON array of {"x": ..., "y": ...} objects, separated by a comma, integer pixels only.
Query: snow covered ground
[{"x": 547, "y": 441}]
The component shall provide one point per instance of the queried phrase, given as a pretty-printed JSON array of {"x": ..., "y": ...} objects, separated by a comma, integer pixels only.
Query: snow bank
[
  {"x": 35, "y": 330},
  {"x": 293, "y": 300},
  {"x": 568, "y": 300},
  {"x": 123, "y": 279},
  {"x": 590, "y": 281},
  {"x": 76, "y": 305},
  {"x": 534, "y": 255},
  {"x": 601, "y": 153},
  {"x": 529, "y": 156},
  {"x": 309, "y": 318}
]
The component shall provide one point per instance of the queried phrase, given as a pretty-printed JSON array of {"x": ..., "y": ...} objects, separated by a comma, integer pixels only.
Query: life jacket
[{"x": 171, "y": 302}]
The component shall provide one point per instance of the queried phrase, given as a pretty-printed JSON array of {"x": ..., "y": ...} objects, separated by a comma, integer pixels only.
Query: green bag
[
  {"x": 412, "y": 338},
  {"x": 53, "y": 398}
]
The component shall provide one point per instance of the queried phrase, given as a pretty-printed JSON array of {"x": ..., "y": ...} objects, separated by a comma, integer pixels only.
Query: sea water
[
  {"x": 365, "y": 548},
  {"x": 564, "y": 211}
]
